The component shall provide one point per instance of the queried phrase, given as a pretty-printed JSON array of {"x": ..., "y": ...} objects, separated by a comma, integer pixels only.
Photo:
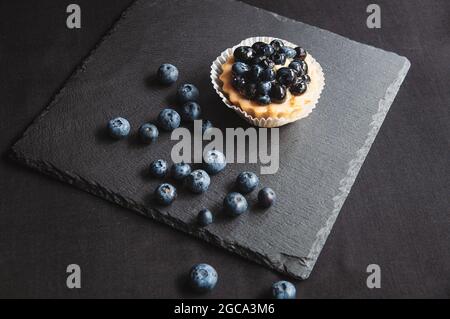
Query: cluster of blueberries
[
  {"x": 257, "y": 77},
  {"x": 203, "y": 277}
]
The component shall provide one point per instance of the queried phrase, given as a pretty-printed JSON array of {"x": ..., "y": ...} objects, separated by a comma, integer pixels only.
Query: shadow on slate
[{"x": 320, "y": 156}]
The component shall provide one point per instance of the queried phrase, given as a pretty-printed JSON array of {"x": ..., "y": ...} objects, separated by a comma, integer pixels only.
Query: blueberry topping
[
  {"x": 169, "y": 119},
  {"x": 277, "y": 44},
  {"x": 167, "y": 74},
  {"x": 255, "y": 73},
  {"x": 198, "y": 181},
  {"x": 180, "y": 171},
  {"x": 148, "y": 133},
  {"x": 289, "y": 52},
  {"x": 187, "y": 93},
  {"x": 257, "y": 46},
  {"x": 266, "y": 50},
  {"x": 278, "y": 93},
  {"x": 279, "y": 58},
  {"x": 299, "y": 67},
  {"x": 301, "y": 53},
  {"x": 203, "y": 277},
  {"x": 205, "y": 217},
  {"x": 214, "y": 162},
  {"x": 286, "y": 76},
  {"x": 263, "y": 88},
  {"x": 119, "y": 128},
  {"x": 240, "y": 68},
  {"x": 190, "y": 111},
  {"x": 268, "y": 75},
  {"x": 238, "y": 83},
  {"x": 298, "y": 88},
  {"x": 306, "y": 78},
  {"x": 250, "y": 91},
  {"x": 246, "y": 182},
  {"x": 283, "y": 290},
  {"x": 235, "y": 204},
  {"x": 266, "y": 197},
  {"x": 263, "y": 100},
  {"x": 158, "y": 168},
  {"x": 244, "y": 54},
  {"x": 165, "y": 194}
]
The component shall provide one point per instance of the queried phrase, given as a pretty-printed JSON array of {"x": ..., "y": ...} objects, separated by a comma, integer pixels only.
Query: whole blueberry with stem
[
  {"x": 246, "y": 182},
  {"x": 187, "y": 93},
  {"x": 169, "y": 119},
  {"x": 167, "y": 74},
  {"x": 203, "y": 277},
  {"x": 165, "y": 194},
  {"x": 158, "y": 168},
  {"x": 119, "y": 128},
  {"x": 214, "y": 162},
  {"x": 235, "y": 204},
  {"x": 198, "y": 181}
]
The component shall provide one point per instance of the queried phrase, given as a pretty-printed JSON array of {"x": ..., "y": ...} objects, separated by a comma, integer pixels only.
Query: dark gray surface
[
  {"x": 396, "y": 215},
  {"x": 320, "y": 157}
]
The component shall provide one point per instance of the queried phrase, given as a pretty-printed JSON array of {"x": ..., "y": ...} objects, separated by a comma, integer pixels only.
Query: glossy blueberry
[
  {"x": 301, "y": 53},
  {"x": 148, "y": 133},
  {"x": 205, "y": 217},
  {"x": 158, "y": 168},
  {"x": 167, "y": 74},
  {"x": 306, "y": 78},
  {"x": 165, "y": 194},
  {"x": 206, "y": 125},
  {"x": 238, "y": 83},
  {"x": 266, "y": 197},
  {"x": 190, "y": 111},
  {"x": 258, "y": 45},
  {"x": 263, "y": 100},
  {"x": 244, "y": 54},
  {"x": 214, "y": 162},
  {"x": 203, "y": 277},
  {"x": 263, "y": 88},
  {"x": 279, "y": 58},
  {"x": 289, "y": 52},
  {"x": 235, "y": 204},
  {"x": 187, "y": 93},
  {"x": 298, "y": 88},
  {"x": 267, "y": 64},
  {"x": 266, "y": 50},
  {"x": 198, "y": 181},
  {"x": 278, "y": 93},
  {"x": 180, "y": 171},
  {"x": 119, "y": 128},
  {"x": 255, "y": 73},
  {"x": 268, "y": 75},
  {"x": 250, "y": 90},
  {"x": 300, "y": 67},
  {"x": 286, "y": 76},
  {"x": 246, "y": 182},
  {"x": 283, "y": 290},
  {"x": 277, "y": 44},
  {"x": 169, "y": 119},
  {"x": 240, "y": 68}
]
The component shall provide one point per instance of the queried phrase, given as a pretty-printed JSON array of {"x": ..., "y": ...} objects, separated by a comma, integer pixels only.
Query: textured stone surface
[{"x": 320, "y": 156}]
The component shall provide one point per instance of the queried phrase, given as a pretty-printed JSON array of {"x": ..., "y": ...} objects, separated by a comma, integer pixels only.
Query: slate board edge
[{"x": 295, "y": 266}]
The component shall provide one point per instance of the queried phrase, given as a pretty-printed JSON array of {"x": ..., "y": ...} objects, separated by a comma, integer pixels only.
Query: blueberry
[
  {"x": 263, "y": 88},
  {"x": 258, "y": 45},
  {"x": 286, "y": 76},
  {"x": 240, "y": 68},
  {"x": 158, "y": 168},
  {"x": 266, "y": 50},
  {"x": 167, "y": 74},
  {"x": 268, "y": 75},
  {"x": 165, "y": 194},
  {"x": 239, "y": 83},
  {"x": 203, "y": 277},
  {"x": 198, "y": 181},
  {"x": 148, "y": 133},
  {"x": 235, "y": 204},
  {"x": 267, "y": 63},
  {"x": 250, "y": 91},
  {"x": 302, "y": 64},
  {"x": 266, "y": 197},
  {"x": 246, "y": 182},
  {"x": 298, "y": 67},
  {"x": 244, "y": 54},
  {"x": 298, "y": 88},
  {"x": 214, "y": 162},
  {"x": 301, "y": 53},
  {"x": 169, "y": 119},
  {"x": 278, "y": 93},
  {"x": 283, "y": 290},
  {"x": 205, "y": 217},
  {"x": 306, "y": 78},
  {"x": 289, "y": 52},
  {"x": 277, "y": 44},
  {"x": 180, "y": 171},
  {"x": 255, "y": 73},
  {"x": 119, "y": 128},
  {"x": 191, "y": 111},
  {"x": 279, "y": 58},
  {"x": 263, "y": 100},
  {"x": 187, "y": 93},
  {"x": 206, "y": 125}
]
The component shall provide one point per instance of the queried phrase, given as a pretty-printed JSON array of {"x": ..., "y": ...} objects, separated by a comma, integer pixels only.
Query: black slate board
[{"x": 321, "y": 155}]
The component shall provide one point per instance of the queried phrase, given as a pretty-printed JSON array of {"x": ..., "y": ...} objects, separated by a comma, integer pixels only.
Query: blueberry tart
[{"x": 269, "y": 82}]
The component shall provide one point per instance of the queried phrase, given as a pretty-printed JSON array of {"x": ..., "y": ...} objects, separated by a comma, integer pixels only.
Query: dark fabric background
[{"x": 397, "y": 215}]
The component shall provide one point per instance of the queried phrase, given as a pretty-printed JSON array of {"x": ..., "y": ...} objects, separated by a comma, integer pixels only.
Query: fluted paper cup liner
[{"x": 304, "y": 111}]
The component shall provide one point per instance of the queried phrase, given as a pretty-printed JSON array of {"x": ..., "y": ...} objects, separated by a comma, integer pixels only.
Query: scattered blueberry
[
  {"x": 263, "y": 100},
  {"x": 180, "y": 171},
  {"x": 298, "y": 88},
  {"x": 266, "y": 197},
  {"x": 301, "y": 53},
  {"x": 187, "y": 93},
  {"x": 198, "y": 181},
  {"x": 235, "y": 204},
  {"x": 169, "y": 119},
  {"x": 244, "y": 54},
  {"x": 214, "y": 162},
  {"x": 191, "y": 111},
  {"x": 119, "y": 128},
  {"x": 148, "y": 133},
  {"x": 279, "y": 58},
  {"x": 277, "y": 45},
  {"x": 205, "y": 217},
  {"x": 246, "y": 182},
  {"x": 165, "y": 194},
  {"x": 286, "y": 76},
  {"x": 289, "y": 52},
  {"x": 206, "y": 125},
  {"x": 203, "y": 277},
  {"x": 278, "y": 92},
  {"x": 240, "y": 68},
  {"x": 167, "y": 74},
  {"x": 283, "y": 290},
  {"x": 158, "y": 168},
  {"x": 263, "y": 88}
]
